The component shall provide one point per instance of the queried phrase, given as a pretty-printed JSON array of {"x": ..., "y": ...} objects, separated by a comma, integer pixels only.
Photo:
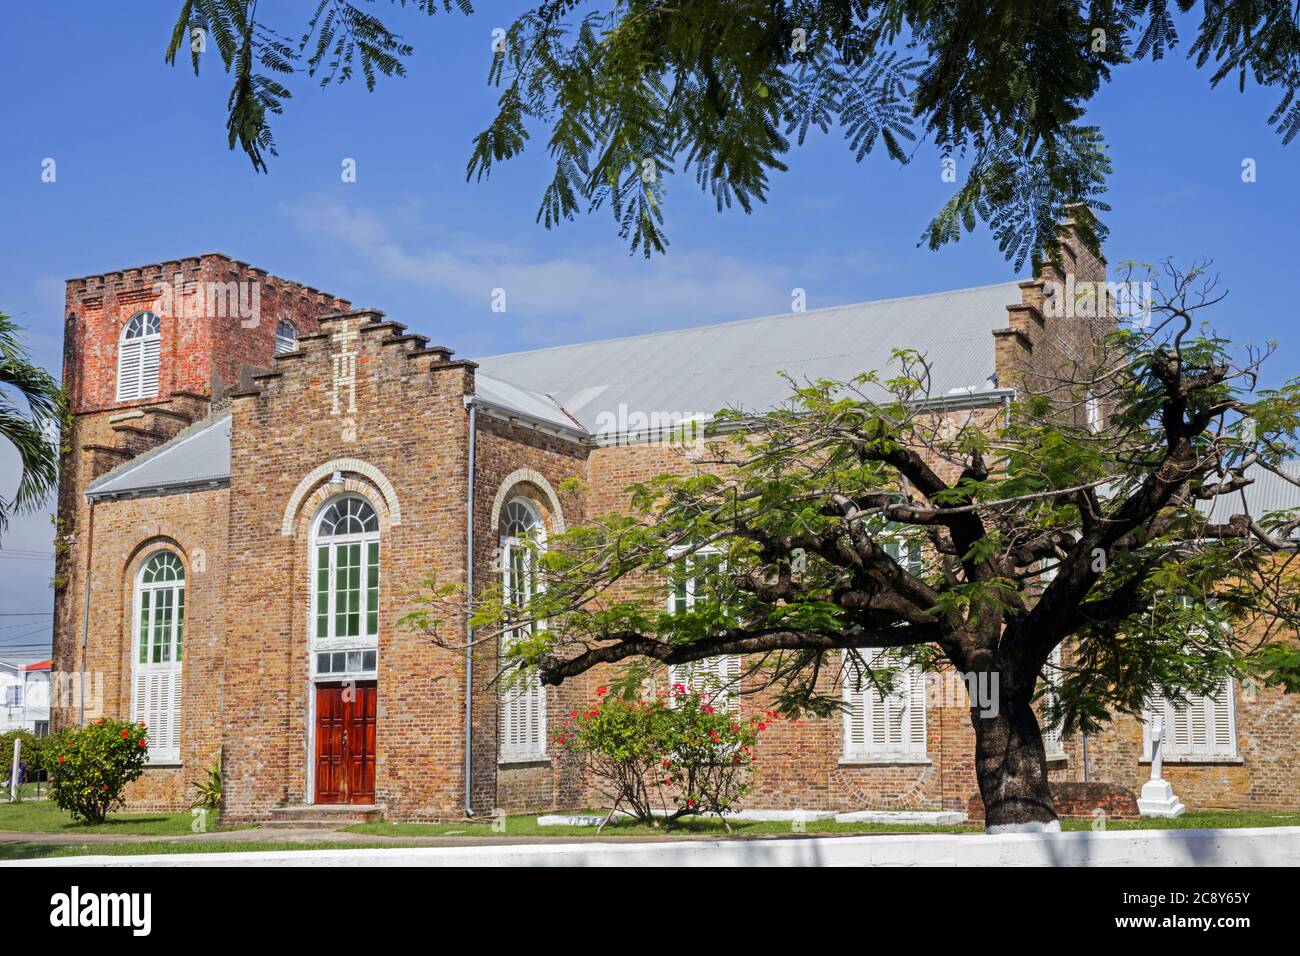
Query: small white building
[{"x": 25, "y": 697}]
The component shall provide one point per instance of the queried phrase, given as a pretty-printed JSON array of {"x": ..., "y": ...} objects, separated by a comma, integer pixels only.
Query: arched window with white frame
[
  {"x": 159, "y": 643},
  {"x": 286, "y": 337},
  {"x": 345, "y": 588},
  {"x": 137, "y": 357},
  {"x": 523, "y": 703}
]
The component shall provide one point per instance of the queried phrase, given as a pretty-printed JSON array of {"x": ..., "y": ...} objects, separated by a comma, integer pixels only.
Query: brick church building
[{"x": 259, "y": 478}]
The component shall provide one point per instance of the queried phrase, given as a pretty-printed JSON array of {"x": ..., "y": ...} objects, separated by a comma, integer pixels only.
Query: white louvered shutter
[
  {"x": 130, "y": 357},
  {"x": 1052, "y": 741},
  {"x": 916, "y": 711},
  {"x": 523, "y": 720},
  {"x": 156, "y": 701},
  {"x": 1225, "y": 737},
  {"x": 713, "y": 677},
  {"x": 855, "y": 720},
  {"x": 137, "y": 368},
  {"x": 1202, "y": 726},
  {"x": 149, "y": 368},
  {"x": 886, "y": 725}
]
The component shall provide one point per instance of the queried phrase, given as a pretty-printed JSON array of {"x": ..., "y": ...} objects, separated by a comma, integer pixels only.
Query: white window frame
[
  {"x": 1217, "y": 715},
  {"x": 905, "y": 715},
  {"x": 286, "y": 337},
  {"x": 716, "y": 677},
  {"x": 138, "y": 353},
  {"x": 1218, "y": 720},
  {"x": 525, "y": 701},
  {"x": 365, "y": 639},
  {"x": 157, "y": 686}
]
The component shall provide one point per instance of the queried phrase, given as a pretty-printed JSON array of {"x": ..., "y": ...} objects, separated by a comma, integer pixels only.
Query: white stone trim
[
  {"x": 534, "y": 478},
  {"x": 321, "y": 472}
]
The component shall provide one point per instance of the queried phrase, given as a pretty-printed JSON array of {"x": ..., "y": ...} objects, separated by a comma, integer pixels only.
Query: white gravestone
[{"x": 1157, "y": 799}]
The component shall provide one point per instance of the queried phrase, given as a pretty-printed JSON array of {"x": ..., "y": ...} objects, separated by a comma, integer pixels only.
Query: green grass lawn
[
  {"x": 526, "y": 825},
  {"x": 42, "y": 816}
]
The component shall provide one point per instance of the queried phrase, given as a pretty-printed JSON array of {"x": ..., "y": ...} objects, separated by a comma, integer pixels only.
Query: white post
[
  {"x": 1158, "y": 798},
  {"x": 13, "y": 773},
  {"x": 1157, "y": 757}
]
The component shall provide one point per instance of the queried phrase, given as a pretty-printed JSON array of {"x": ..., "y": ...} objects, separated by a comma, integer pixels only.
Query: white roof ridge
[{"x": 757, "y": 318}]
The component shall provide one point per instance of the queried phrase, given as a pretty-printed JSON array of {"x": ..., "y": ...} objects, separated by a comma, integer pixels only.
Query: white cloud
[{"x": 557, "y": 298}]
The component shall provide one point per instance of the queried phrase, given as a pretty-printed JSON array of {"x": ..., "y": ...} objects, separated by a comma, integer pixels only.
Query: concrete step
[{"x": 323, "y": 816}]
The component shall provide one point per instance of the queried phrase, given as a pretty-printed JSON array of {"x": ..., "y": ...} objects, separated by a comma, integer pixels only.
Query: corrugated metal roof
[
  {"x": 1269, "y": 492},
  {"x": 533, "y": 405},
  {"x": 683, "y": 375},
  {"x": 199, "y": 454},
  {"x": 692, "y": 373}
]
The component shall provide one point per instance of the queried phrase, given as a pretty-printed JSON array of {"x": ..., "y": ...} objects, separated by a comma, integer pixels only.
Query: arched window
[
  {"x": 286, "y": 337},
  {"x": 137, "y": 357},
  {"x": 159, "y": 642},
  {"x": 345, "y": 589},
  {"x": 523, "y": 705}
]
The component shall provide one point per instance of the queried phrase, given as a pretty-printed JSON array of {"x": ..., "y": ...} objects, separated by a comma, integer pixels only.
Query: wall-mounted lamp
[{"x": 336, "y": 483}]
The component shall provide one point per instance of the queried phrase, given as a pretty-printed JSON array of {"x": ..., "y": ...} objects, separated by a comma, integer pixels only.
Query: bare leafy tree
[{"x": 1036, "y": 528}]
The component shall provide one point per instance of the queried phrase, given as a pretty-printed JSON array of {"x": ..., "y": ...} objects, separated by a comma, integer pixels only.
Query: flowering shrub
[
  {"x": 90, "y": 766},
  {"x": 685, "y": 758},
  {"x": 709, "y": 755}
]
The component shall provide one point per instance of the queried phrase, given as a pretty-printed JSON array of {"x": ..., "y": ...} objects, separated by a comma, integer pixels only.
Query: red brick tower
[{"x": 148, "y": 351}]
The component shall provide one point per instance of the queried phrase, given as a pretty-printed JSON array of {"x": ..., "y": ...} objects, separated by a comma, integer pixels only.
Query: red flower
[
  {"x": 143, "y": 742},
  {"x": 142, "y": 723},
  {"x": 707, "y": 708},
  {"x": 690, "y": 803},
  {"x": 602, "y": 691},
  {"x": 668, "y": 783},
  {"x": 125, "y": 734},
  {"x": 62, "y": 759},
  {"x": 573, "y": 713},
  {"x": 735, "y": 728},
  {"x": 762, "y": 726},
  {"x": 104, "y": 787}
]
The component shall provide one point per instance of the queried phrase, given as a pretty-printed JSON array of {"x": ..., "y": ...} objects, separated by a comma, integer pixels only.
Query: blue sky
[{"x": 143, "y": 174}]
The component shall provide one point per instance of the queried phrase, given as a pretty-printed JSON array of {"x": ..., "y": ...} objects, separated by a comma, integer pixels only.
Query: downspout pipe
[
  {"x": 85, "y": 614},
  {"x": 471, "y": 468}
]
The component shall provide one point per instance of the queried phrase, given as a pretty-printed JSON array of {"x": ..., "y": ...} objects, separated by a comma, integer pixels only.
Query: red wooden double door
[{"x": 345, "y": 743}]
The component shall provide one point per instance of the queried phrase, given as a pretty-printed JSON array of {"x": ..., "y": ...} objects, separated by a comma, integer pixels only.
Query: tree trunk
[{"x": 1011, "y": 766}]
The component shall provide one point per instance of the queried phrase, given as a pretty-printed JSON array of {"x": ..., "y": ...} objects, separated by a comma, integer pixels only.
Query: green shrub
[
  {"x": 32, "y": 755},
  {"x": 684, "y": 758},
  {"x": 207, "y": 792},
  {"x": 90, "y": 766}
]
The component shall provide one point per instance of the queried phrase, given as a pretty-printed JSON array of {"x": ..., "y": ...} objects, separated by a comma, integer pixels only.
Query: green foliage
[
  {"x": 31, "y": 406},
  {"x": 90, "y": 766},
  {"x": 864, "y": 517},
  {"x": 633, "y": 93},
  {"x": 32, "y": 754},
  {"x": 644, "y": 755},
  {"x": 207, "y": 792}
]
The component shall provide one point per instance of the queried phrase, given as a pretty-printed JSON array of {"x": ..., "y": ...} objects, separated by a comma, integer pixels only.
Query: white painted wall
[{"x": 1264, "y": 846}]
